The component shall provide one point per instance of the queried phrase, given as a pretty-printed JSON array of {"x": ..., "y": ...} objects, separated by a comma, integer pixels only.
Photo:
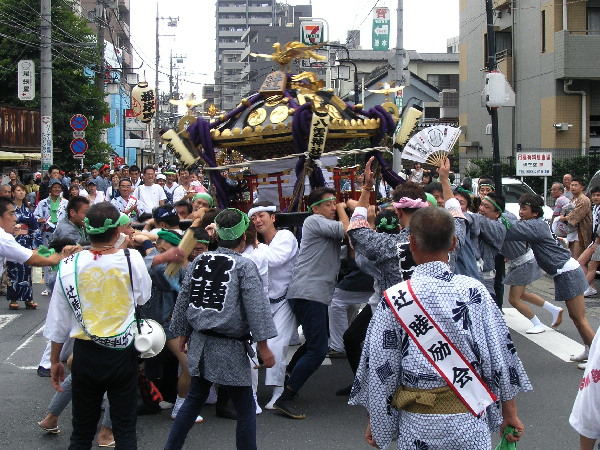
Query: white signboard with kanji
[
  {"x": 534, "y": 164},
  {"x": 26, "y": 79}
]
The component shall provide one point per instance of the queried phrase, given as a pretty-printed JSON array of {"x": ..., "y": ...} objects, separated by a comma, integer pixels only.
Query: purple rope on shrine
[
  {"x": 251, "y": 101},
  {"x": 200, "y": 135}
]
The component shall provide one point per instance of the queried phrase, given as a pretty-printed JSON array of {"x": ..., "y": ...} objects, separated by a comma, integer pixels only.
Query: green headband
[
  {"x": 431, "y": 199},
  {"x": 392, "y": 225},
  {"x": 503, "y": 219},
  {"x": 488, "y": 185},
  {"x": 318, "y": 202},
  {"x": 205, "y": 196},
  {"x": 202, "y": 241},
  {"x": 169, "y": 236},
  {"x": 108, "y": 224},
  {"x": 234, "y": 232},
  {"x": 169, "y": 173},
  {"x": 464, "y": 191}
]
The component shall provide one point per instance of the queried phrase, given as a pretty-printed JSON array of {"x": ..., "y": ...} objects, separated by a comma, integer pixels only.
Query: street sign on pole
[
  {"x": 79, "y": 122},
  {"x": 534, "y": 164},
  {"x": 46, "y": 148},
  {"x": 78, "y": 134},
  {"x": 79, "y": 146},
  {"x": 26, "y": 79},
  {"x": 381, "y": 29}
]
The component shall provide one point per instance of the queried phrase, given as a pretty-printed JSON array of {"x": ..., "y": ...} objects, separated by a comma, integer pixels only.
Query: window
[
  {"x": 443, "y": 81},
  {"x": 543, "y": 31},
  {"x": 593, "y": 20}
]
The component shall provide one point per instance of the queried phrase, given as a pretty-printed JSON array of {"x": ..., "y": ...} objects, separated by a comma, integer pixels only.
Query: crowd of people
[{"x": 410, "y": 292}]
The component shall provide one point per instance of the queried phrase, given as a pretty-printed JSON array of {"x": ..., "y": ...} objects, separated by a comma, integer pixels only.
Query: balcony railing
[{"x": 576, "y": 54}]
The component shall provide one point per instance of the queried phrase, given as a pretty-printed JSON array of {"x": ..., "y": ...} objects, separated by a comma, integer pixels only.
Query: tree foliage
[{"x": 75, "y": 57}]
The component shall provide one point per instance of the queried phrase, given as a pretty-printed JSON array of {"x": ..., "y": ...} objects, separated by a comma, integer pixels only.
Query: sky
[{"x": 427, "y": 25}]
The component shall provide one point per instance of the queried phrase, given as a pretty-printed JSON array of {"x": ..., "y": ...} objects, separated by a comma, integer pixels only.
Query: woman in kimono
[
  {"x": 19, "y": 275},
  {"x": 47, "y": 213}
]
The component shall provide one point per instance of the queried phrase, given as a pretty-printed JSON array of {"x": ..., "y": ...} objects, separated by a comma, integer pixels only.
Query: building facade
[
  {"x": 549, "y": 51},
  {"x": 431, "y": 74},
  {"x": 245, "y": 26},
  {"x": 118, "y": 61}
]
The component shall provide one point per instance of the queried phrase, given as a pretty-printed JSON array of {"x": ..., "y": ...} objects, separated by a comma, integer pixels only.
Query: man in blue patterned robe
[{"x": 465, "y": 311}]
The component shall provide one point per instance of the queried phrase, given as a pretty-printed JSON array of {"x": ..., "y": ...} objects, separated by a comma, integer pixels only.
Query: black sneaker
[
  {"x": 288, "y": 407},
  {"x": 43, "y": 372}
]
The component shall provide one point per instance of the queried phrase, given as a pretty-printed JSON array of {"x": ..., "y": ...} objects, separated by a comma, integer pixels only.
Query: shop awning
[{"x": 15, "y": 156}]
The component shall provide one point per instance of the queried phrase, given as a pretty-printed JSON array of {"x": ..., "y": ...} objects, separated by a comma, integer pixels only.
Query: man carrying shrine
[{"x": 438, "y": 369}]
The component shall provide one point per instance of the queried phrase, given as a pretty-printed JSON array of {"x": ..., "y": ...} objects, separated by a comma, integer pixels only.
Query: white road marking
[
  {"x": 550, "y": 340},
  {"x": 5, "y": 319},
  {"x": 24, "y": 344}
]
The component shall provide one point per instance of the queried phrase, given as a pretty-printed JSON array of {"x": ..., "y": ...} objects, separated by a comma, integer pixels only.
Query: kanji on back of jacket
[{"x": 293, "y": 122}]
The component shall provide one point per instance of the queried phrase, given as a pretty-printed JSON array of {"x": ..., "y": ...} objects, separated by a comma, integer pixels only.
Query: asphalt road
[{"x": 331, "y": 423}]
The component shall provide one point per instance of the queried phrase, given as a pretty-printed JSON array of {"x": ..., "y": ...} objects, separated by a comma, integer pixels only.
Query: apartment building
[
  {"x": 549, "y": 51},
  {"x": 260, "y": 39},
  {"x": 233, "y": 17}
]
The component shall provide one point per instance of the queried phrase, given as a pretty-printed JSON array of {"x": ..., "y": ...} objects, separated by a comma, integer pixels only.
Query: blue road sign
[
  {"x": 79, "y": 146},
  {"x": 79, "y": 122}
]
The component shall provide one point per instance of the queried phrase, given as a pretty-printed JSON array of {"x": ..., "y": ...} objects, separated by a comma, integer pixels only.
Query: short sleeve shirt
[
  {"x": 149, "y": 197},
  {"x": 10, "y": 250}
]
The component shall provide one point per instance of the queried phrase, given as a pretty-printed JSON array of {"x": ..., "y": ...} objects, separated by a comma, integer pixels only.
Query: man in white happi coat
[
  {"x": 439, "y": 369},
  {"x": 281, "y": 254}
]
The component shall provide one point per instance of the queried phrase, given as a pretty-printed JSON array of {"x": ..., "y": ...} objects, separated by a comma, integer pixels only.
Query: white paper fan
[{"x": 431, "y": 145}]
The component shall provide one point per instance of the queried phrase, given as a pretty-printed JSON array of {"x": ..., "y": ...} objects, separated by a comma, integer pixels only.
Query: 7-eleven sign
[{"x": 312, "y": 33}]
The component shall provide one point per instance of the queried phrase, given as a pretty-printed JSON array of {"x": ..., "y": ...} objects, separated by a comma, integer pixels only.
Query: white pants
[
  {"x": 67, "y": 349},
  {"x": 338, "y": 314},
  {"x": 285, "y": 323}
]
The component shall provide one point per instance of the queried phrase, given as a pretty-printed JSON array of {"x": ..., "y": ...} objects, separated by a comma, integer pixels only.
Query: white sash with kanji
[
  {"x": 67, "y": 277},
  {"x": 439, "y": 350}
]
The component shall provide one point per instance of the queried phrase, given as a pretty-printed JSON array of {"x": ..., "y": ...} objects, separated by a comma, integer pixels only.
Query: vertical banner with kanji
[
  {"x": 318, "y": 133},
  {"x": 381, "y": 29}
]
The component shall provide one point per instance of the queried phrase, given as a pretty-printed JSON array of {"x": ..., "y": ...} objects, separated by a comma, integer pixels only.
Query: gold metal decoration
[
  {"x": 391, "y": 108},
  {"x": 333, "y": 112},
  {"x": 274, "y": 84},
  {"x": 191, "y": 102},
  {"x": 256, "y": 117},
  {"x": 212, "y": 110},
  {"x": 291, "y": 51},
  {"x": 274, "y": 100},
  {"x": 279, "y": 114},
  {"x": 307, "y": 82},
  {"x": 185, "y": 122},
  {"x": 387, "y": 89}
]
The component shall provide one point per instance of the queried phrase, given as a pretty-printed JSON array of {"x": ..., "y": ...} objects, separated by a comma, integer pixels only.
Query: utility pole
[
  {"x": 47, "y": 146},
  {"x": 156, "y": 96},
  {"x": 171, "y": 88},
  {"x": 491, "y": 66},
  {"x": 399, "y": 72}
]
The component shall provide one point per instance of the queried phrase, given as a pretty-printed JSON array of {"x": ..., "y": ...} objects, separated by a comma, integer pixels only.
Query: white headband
[{"x": 258, "y": 209}]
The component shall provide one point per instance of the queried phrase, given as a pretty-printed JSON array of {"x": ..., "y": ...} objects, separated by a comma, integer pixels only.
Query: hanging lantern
[{"x": 143, "y": 102}]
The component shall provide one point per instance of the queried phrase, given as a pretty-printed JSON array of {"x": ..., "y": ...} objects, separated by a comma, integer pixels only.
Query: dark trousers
[
  {"x": 355, "y": 336},
  {"x": 315, "y": 324},
  {"x": 243, "y": 400},
  {"x": 499, "y": 280},
  {"x": 97, "y": 370}
]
